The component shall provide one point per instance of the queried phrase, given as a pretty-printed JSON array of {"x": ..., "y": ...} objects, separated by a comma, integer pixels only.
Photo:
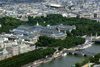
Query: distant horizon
[
  {"x": 38, "y": 0},
  {"x": 20, "y": 0}
]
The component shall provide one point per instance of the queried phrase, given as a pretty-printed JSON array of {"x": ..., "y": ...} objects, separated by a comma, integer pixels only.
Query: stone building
[
  {"x": 86, "y": 15},
  {"x": 32, "y": 33}
]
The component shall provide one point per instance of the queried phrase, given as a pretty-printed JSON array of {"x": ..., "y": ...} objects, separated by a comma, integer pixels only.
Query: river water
[
  {"x": 65, "y": 61},
  {"x": 69, "y": 60},
  {"x": 95, "y": 48}
]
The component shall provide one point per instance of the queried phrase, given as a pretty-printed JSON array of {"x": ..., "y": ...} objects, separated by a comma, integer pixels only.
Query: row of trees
[
  {"x": 9, "y": 23},
  {"x": 94, "y": 59},
  {"x": 67, "y": 42},
  {"x": 22, "y": 59}
]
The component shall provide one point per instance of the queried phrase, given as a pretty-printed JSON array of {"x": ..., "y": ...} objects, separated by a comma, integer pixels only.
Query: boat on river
[
  {"x": 85, "y": 45},
  {"x": 64, "y": 54},
  {"x": 47, "y": 60},
  {"x": 57, "y": 56},
  {"x": 37, "y": 63}
]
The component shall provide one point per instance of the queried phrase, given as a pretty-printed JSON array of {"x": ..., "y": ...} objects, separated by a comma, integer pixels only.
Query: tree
[
  {"x": 69, "y": 33},
  {"x": 77, "y": 65},
  {"x": 60, "y": 48}
]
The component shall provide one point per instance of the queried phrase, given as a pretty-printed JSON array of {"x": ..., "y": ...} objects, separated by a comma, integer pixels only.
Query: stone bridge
[{"x": 81, "y": 53}]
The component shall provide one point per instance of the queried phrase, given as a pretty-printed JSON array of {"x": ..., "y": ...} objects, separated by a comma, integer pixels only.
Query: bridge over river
[{"x": 81, "y": 53}]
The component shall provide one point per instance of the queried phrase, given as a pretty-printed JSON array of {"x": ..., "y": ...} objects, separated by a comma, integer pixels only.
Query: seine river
[{"x": 70, "y": 60}]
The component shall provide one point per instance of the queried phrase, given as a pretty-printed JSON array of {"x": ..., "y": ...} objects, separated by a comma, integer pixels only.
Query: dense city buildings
[{"x": 21, "y": 9}]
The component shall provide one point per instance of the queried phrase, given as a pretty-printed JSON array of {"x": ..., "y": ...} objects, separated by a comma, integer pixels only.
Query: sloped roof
[{"x": 23, "y": 27}]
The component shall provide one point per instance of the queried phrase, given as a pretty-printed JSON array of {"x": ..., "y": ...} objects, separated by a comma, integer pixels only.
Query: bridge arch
[{"x": 85, "y": 55}]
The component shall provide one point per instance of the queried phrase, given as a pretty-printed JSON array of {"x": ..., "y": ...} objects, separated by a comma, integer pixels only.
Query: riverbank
[
  {"x": 95, "y": 59},
  {"x": 22, "y": 59},
  {"x": 48, "y": 58},
  {"x": 68, "y": 61},
  {"x": 65, "y": 61}
]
